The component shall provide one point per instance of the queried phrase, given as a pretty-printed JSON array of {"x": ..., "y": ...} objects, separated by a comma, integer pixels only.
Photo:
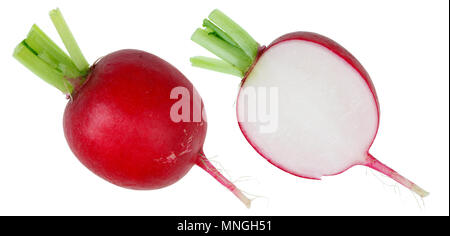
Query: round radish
[
  {"x": 325, "y": 111},
  {"x": 119, "y": 120},
  {"x": 119, "y": 126}
]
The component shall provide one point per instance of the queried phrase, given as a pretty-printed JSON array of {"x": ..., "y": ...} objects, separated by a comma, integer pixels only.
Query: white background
[{"x": 403, "y": 44}]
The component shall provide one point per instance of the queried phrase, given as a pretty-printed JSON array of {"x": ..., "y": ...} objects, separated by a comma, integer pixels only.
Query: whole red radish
[
  {"x": 305, "y": 103},
  {"x": 120, "y": 120}
]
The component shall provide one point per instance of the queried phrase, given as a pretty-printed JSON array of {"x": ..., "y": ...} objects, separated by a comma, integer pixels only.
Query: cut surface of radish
[
  {"x": 305, "y": 104},
  {"x": 327, "y": 114}
]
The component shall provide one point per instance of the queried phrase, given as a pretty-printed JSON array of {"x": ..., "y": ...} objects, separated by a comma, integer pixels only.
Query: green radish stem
[
  {"x": 69, "y": 41},
  {"x": 222, "y": 49},
  {"x": 216, "y": 65},
  {"x": 228, "y": 41},
  {"x": 44, "y": 58},
  {"x": 217, "y": 31},
  {"x": 238, "y": 34},
  {"x": 50, "y": 52},
  {"x": 30, "y": 59}
]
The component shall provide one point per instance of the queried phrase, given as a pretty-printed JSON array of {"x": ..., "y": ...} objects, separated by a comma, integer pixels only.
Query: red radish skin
[
  {"x": 119, "y": 124},
  {"x": 118, "y": 121},
  {"x": 328, "y": 110}
]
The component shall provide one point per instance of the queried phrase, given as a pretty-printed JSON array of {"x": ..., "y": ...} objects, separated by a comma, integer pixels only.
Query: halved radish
[{"x": 326, "y": 111}]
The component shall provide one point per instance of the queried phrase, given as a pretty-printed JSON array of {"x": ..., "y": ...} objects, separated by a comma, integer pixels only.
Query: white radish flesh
[{"x": 327, "y": 115}]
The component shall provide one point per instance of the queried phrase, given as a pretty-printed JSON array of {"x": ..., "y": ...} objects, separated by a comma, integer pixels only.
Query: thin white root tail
[
  {"x": 204, "y": 163},
  {"x": 420, "y": 191},
  {"x": 375, "y": 164}
]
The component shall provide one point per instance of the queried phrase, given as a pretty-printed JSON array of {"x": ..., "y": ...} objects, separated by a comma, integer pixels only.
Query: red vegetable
[
  {"x": 118, "y": 120},
  {"x": 323, "y": 108},
  {"x": 119, "y": 126}
]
